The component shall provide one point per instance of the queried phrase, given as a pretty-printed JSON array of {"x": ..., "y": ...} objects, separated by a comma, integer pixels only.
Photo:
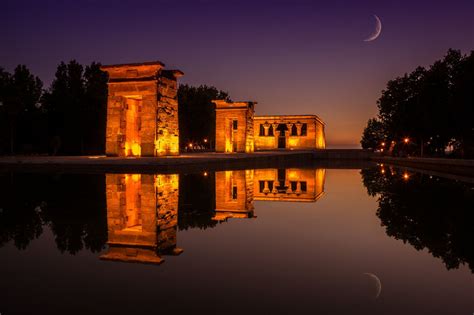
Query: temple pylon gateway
[{"x": 142, "y": 110}]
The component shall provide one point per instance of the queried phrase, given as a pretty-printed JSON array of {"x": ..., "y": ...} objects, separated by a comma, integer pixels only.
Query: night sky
[{"x": 292, "y": 57}]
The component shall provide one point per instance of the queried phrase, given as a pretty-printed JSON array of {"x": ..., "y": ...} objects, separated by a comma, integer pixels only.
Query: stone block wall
[
  {"x": 227, "y": 138},
  {"x": 151, "y": 93},
  {"x": 167, "y": 197},
  {"x": 314, "y": 138},
  {"x": 234, "y": 191},
  {"x": 167, "y": 125}
]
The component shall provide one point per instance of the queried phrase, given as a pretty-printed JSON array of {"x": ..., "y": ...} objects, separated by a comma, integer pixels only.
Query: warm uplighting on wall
[
  {"x": 132, "y": 149},
  {"x": 292, "y": 142}
]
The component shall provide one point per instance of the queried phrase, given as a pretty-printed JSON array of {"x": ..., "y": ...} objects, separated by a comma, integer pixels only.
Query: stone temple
[
  {"x": 239, "y": 130},
  {"x": 142, "y": 110},
  {"x": 142, "y": 118}
]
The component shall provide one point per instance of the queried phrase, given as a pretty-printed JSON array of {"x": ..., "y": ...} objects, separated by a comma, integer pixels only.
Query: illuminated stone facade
[
  {"x": 142, "y": 217},
  {"x": 142, "y": 110},
  {"x": 238, "y": 130},
  {"x": 234, "y": 194},
  {"x": 234, "y": 126},
  {"x": 296, "y": 185},
  {"x": 142, "y": 210},
  {"x": 289, "y": 132},
  {"x": 237, "y": 190}
]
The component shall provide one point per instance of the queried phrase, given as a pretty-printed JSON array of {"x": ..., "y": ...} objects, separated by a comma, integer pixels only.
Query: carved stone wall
[
  {"x": 167, "y": 197},
  {"x": 142, "y": 217},
  {"x": 142, "y": 110},
  {"x": 234, "y": 194},
  {"x": 234, "y": 126},
  {"x": 313, "y": 138}
]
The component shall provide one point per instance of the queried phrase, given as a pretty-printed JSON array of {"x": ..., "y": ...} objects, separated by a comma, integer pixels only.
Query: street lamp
[{"x": 406, "y": 140}]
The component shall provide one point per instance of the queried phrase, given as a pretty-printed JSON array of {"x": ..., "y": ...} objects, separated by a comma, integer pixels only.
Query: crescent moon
[
  {"x": 378, "y": 284},
  {"x": 377, "y": 32}
]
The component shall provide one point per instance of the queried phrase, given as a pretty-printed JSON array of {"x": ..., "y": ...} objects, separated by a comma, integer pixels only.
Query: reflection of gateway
[
  {"x": 236, "y": 190},
  {"x": 142, "y": 217},
  {"x": 298, "y": 185},
  {"x": 142, "y": 210}
]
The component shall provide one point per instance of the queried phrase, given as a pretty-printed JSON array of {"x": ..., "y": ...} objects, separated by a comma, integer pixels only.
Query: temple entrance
[
  {"x": 282, "y": 136},
  {"x": 281, "y": 142},
  {"x": 132, "y": 127}
]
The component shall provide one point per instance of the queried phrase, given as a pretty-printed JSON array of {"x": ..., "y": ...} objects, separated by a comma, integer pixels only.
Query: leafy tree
[
  {"x": 433, "y": 107},
  {"x": 414, "y": 211},
  {"x": 76, "y": 105},
  {"x": 4, "y": 123},
  {"x": 373, "y": 135},
  {"x": 462, "y": 105},
  {"x": 95, "y": 108},
  {"x": 197, "y": 114},
  {"x": 67, "y": 96},
  {"x": 21, "y": 94}
]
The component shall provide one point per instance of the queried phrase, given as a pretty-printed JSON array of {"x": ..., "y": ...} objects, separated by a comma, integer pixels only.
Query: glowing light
[
  {"x": 406, "y": 176},
  {"x": 205, "y": 140},
  {"x": 382, "y": 144},
  {"x": 205, "y": 174},
  {"x": 190, "y": 145},
  {"x": 406, "y": 140},
  {"x": 382, "y": 171}
]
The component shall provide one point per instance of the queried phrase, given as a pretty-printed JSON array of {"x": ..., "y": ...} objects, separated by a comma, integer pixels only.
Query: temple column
[
  {"x": 266, "y": 128},
  {"x": 266, "y": 190},
  {"x": 298, "y": 128},
  {"x": 289, "y": 126}
]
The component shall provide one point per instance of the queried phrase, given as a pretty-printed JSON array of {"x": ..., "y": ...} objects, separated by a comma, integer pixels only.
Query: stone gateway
[{"x": 142, "y": 110}]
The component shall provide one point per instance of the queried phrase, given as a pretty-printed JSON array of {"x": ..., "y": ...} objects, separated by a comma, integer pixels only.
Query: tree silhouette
[
  {"x": 426, "y": 212},
  {"x": 432, "y": 107},
  {"x": 373, "y": 135},
  {"x": 197, "y": 113},
  {"x": 21, "y": 93}
]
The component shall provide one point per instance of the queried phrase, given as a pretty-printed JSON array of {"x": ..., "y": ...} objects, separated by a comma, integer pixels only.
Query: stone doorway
[
  {"x": 282, "y": 130},
  {"x": 132, "y": 126}
]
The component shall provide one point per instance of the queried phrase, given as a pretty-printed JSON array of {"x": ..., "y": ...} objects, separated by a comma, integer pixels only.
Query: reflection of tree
[
  {"x": 20, "y": 219},
  {"x": 77, "y": 212},
  {"x": 72, "y": 205},
  {"x": 427, "y": 212},
  {"x": 196, "y": 201}
]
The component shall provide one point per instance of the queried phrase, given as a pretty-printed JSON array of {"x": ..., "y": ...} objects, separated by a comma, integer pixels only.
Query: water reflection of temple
[
  {"x": 236, "y": 190},
  {"x": 142, "y": 210},
  {"x": 142, "y": 215}
]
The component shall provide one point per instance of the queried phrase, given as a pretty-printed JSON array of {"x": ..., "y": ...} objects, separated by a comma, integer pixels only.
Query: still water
[{"x": 380, "y": 240}]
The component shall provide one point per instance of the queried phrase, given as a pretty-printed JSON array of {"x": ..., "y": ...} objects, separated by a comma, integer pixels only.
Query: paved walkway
[{"x": 186, "y": 161}]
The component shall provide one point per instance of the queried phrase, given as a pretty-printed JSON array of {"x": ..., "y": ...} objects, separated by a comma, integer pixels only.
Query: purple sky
[{"x": 293, "y": 57}]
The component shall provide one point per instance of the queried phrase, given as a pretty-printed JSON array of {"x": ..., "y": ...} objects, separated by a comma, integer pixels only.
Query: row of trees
[
  {"x": 69, "y": 118},
  {"x": 427, "y": 111},
  {"x": 426, "y": 212},
  {"x": 197, "y": 114}
]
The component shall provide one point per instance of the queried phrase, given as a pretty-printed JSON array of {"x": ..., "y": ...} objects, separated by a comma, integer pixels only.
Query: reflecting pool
[{"x": 378, "y": 240}]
